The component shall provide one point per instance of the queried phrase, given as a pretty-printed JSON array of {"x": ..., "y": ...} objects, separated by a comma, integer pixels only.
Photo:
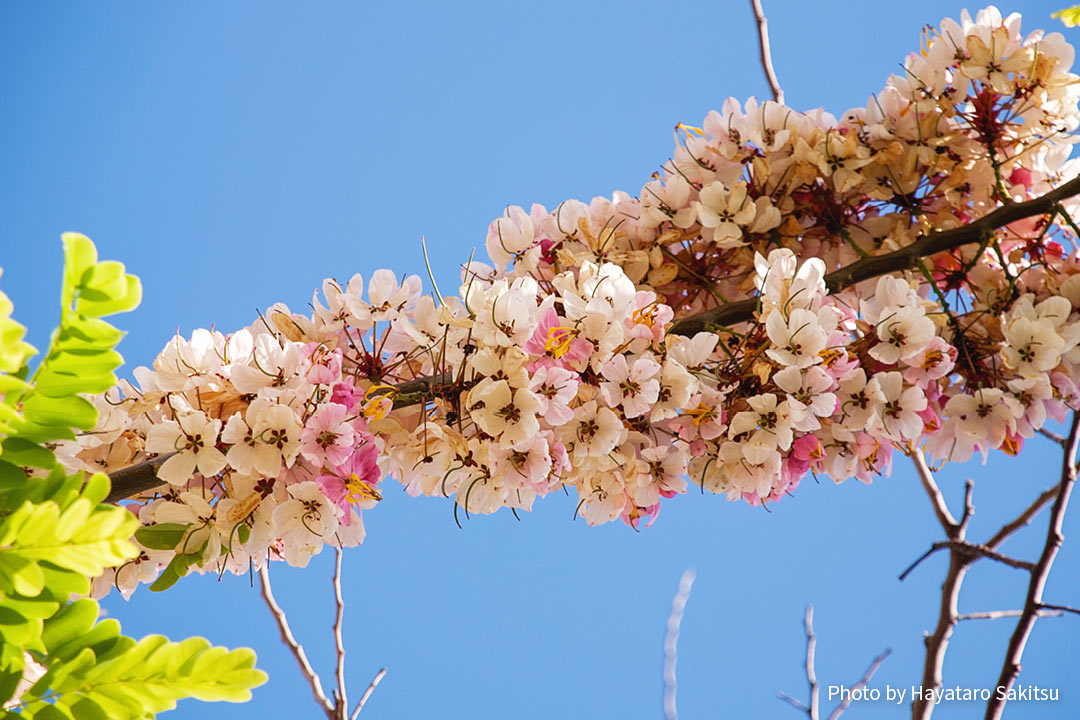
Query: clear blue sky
[{"x": 235, "y": 154}]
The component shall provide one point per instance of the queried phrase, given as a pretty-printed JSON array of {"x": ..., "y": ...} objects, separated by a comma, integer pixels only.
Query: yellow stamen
[
  {"x": 1011, "y": 445},
  {"x": 933, "y": 358},
  {"x": 378, "y": 403},
  {"x": 358, "y": 490},
  {"x": 690, "y": 129},
  {"x": 645, "y": 315},
  {"x": 559, "y": 339},
  {"x": 830, "y": 356},
  {"x": 701, "y": 414}
]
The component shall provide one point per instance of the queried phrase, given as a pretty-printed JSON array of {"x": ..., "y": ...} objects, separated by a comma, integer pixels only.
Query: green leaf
[
  {"x": 70, "y": 411},
  {"x": 27, "y": 454},
  {"x": 162, "y": 536},
  {"x": 176, "y": 569},
  {"x": 83, "y": 538},
  {"x": 129, "y": 300},
  {"x": 1070, "y": 16},
  {"x": 20, "y": 575}
]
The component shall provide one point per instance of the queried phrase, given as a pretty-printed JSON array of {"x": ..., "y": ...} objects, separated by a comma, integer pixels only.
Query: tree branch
[
  {"x": 367, "y": 693},
  {"x": 1033, "y": 603},
  {"x": 297, "y": 649},
  {"x": 937, "y": 499},
  {"x": 671, "y": 643},
  {"x": 341, "y": 701},
  {"x": 811, "y": 710},
  {"x": 766, "y": 51},
  {"x": 1024, "y": 518},
  {"x": 906, "y": 258},
  {"x": 861, "y": 684},
  {"x": 139, "y": 478},
  {"x": 937, "y": 643}
]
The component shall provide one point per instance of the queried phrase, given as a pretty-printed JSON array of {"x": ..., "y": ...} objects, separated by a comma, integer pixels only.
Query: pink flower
[
  {"x": 354, "y": 481},
  {"x": 325, "y": 364},
  {"x": 345, "y": 393},
  {"x": 327, "y": 438},
  {"x": 558, "y": 342}
]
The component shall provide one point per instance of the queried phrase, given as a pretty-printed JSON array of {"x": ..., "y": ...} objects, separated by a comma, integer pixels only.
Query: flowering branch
[
  {"x": 766, "y": 52},
  {"x": 906, "y": 258},
  {"x": 130, "y": 481},
  {"x": 1033, "y": 603}
]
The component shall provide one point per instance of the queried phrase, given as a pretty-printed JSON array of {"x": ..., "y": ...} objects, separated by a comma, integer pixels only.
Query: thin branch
[
  {"x": 1024, "y": 518},
  {"x": 861, "y": 684},
  {"x": 937, "y": 643},
  {"x": 1045, "y": 611},
  {"x": 297, "y": 649},
  {"x": 341, "y": 701},
  {"x": 968, "y": 551},
  {"x": 811, "y": 710},
  {"x": 937, "y": 499},
  {"x": 1033, "y": 603},
  {"x": 811, "y": 651},
  {"x": 766, "y": 51},
  {"x": 671, "y": 643},
  {"x": 1051, "y": 435},
  {"x": 1060, "y": 608},
  {"x": 797, "y": 704},
  {"x": 367, "y": 693}
]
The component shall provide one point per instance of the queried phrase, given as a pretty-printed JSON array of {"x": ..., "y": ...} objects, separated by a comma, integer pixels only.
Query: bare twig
[
  {"x": 969, "y": 551},
  {"x": 341, "y": 700},
  {"x": 1024, "y": 518},
  {"x": 1033, "y": 602},
  {"x": 937, "y": 643},
  {"x": 367, "y": 693},
  {"x": 861, "y": 684},
  {"x": 1046, "y": 611},
  {"x": 1051, "y": 435},
  {"x": 797, "y": 704},
  {"x": 811, "y": 710},
  {"x": 937, "y": 499},
  {"x": 297, "y": 649},
  {"x": 1059, "y": 608},
  {"x": 811, "y": 651},
  {"x": 671, "y": 643},
  {"x": 766, "y": 51}
]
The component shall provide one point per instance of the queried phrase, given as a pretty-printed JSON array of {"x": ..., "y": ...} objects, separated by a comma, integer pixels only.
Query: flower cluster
[{"x": 566, "y": 364}]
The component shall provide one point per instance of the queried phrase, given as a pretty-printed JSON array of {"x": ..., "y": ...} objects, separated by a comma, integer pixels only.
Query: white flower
[
  {"x": 556, "y": 388},
  {"x": 899, "y": 414},
  {"x": 904, "y": 332},
  {"x": 635, "y": 387},
  {"x": 768, "y": 423},
  {"x": 594, "y": 431},
  {"x": 796, "y": 339},
  {"x": 808, "y": 396},
  {"x": 305, "y": 521},
  {"x": 725, "y": 211},
  {"x": 193, "y": 437},
  {"x": 860, "y": 400},
  {"x": 505, "y": 414}
]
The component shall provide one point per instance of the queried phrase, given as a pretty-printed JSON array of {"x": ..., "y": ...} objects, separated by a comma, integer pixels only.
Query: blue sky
[{"x": 235, "y": 154}]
